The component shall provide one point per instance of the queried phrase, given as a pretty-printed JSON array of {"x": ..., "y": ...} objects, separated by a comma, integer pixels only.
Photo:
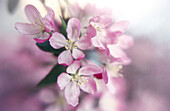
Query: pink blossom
[
  {"x": 72, "y": 45},
  {"x": 113, "y": 58},
  {"x": 78, "y": 78},
  {"x": 117, "y": 50},
  {"x": 38, "y": 26},
  {"x": 103, "y": 31}
]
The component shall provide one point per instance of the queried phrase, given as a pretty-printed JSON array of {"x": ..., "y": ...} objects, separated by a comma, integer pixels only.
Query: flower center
[
  {"x": 39, "y": 24},
  {"x": 70, "y": 44},
  {"x": 79, "y": 79},
  {"x": 98, "y": 27},
  {"x": 116, "y": 70}
]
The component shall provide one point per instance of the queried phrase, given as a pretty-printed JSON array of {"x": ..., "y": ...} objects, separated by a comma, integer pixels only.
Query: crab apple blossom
[
  {"x": 103, "y": 31},
  {"x": 117, "y": 50},
  {"x": 78, "y": 78},
  {"x": 40, "y": 27},
  {"x": 73, "y": 45}
]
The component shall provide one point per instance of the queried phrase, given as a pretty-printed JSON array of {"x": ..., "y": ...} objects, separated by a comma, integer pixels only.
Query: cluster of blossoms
[{"x": 94, "y": 54}]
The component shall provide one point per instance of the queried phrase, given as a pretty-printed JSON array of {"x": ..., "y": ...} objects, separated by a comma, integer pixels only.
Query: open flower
[
  {"x": 72, "y": 45},
  {"x": 117, "y": 50},
  {"x": 78, "y": 78},
  {"x": 103, "y": 31},
  {"x": 40, "y": 27}
]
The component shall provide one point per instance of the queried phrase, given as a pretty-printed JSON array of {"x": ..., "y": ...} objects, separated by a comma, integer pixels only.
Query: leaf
[
  {"x": 45, "y": 46},
  {"x": 48, "y": 48},
  {"x": 63, "y": 22},
  {"x": 63, "y": 27},
  {"x": 52, "y": 75}
]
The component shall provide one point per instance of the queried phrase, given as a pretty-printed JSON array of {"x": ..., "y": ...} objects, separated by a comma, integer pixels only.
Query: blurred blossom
[
  {"x": 86, "y": 12},
  {"x": 22, "y": 64}
]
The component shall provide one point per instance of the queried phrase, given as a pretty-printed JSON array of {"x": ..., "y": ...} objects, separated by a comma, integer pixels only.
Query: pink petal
[
  {"x": 116, "y": 85},
  {"x": 89, "y": 85},
  {"x": 83, "y": 43},
  {"x": 72, "y": 69},
  {"x": 49, "y": 26},
  {"x": 72, "y": 93},
  {"x": 102, "y": 20},
  {"x": 65, "y": 58},
  {"x": 97, "y": 42},
  {"x": 77, "y": 54},
  {"x": 90, "y": 70},
  {"x": 116, "y": 51},
  {"x": 63, "y": 80},
  {"x": 40, "y": 40},
  {"x": 50, "y": 14},
  {"x": 32, "y": 13},
  {"x": 98, "y": 76},
  {"x": 73, "y": 29},
  {"x": 105, "y": 20},
  {"x": 105, "y": 76},
  {"x": 120, "y": 26},
  {"x": 26, "y": 28},
  {"x": 95, "y": 19},
  {"x": 57, "y": 40},
  {"x": 125, "y": 41},
  {"x": 48, "y": 20},
  {"x": 43, "y": 37},
  {"x": 112, "y": 37},
  {"x": 91, "y": 31}
]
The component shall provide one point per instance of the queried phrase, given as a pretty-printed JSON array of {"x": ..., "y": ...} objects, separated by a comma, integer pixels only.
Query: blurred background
[{"x": 23, "y": 65}]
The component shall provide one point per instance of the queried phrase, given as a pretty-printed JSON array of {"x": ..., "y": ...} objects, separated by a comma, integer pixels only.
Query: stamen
[
  {"x": 71, "y": 44},
  {"x": 79, "y": 79},
  {"x": 116, "y": 70},
  {"x": 39, "y": 24}
]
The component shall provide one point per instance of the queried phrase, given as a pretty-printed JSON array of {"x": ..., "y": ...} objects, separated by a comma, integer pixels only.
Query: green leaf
[
  {"x": 63, "y": 22},
  {"x": 63, "y": 27},
  {"x": 48, "y": 48},
  {"x": 52, "y": 75}
]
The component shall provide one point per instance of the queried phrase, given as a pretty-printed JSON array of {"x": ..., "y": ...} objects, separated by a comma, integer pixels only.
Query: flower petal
[
  {"x": 65, "y": 58},
  {"x": 32, "y": 13},
  {"x": 120, "y": 26},
  {"x": 90, "y": 70},
  {"x": 105, "y": 76},
  {"x": 63, "y": 80},
  {"x": 116, "y": 51},
  {"x": 48, "y": 20},
  {"x": 72, "y": 69},
  {"x": 26, "y": 28},
  {"x": 77, "y": 54},
  {"x": 72, "y": 93},
  {"x": 50, "y": 14},
  {"x": 112, "y": 37},
  {"x": 40, "y": 40},
  {"x": 89, "y": 85},
  {"x": 125, "y": 41},
  {"x": 91, "y": 31},
  {"x": 97, "y": 42},
  {"x": 116, "y": 85},
  {"x": 57, "y": 40},
  {"x": 42, "y": 37},
  {"x": 73, "y": 29},
  {"x": 102, "y": 20},
  {"x": 83, "y": 43}
]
